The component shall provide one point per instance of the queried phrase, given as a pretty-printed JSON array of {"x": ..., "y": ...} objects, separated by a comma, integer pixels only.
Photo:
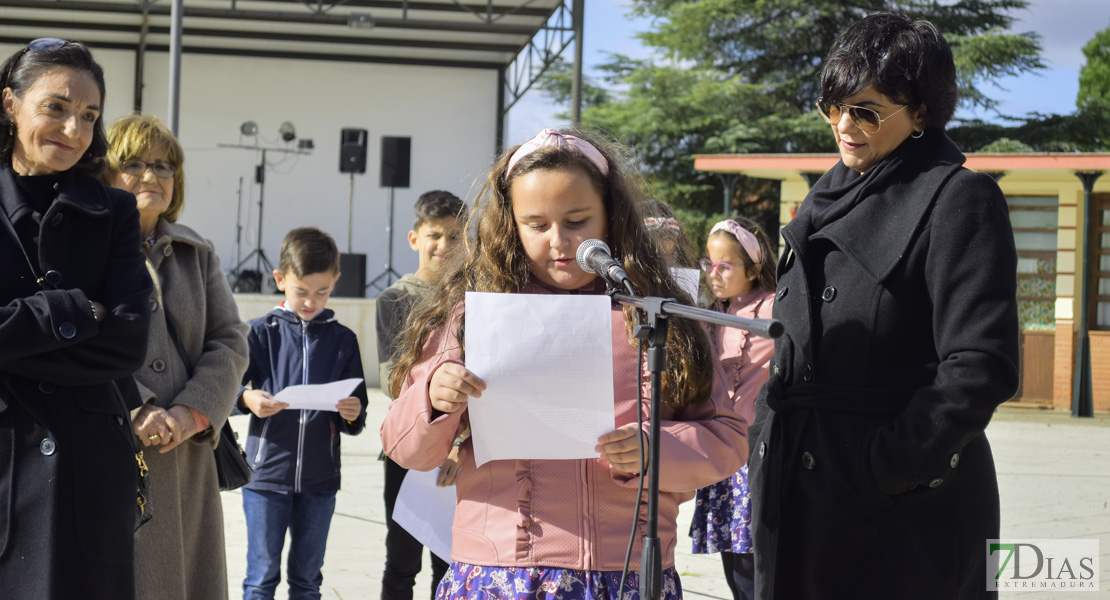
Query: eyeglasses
[
  {"x": 866, "y": 119},
  {"x": 39, "y": 45},
  {"x": 724, "y": 269},
  {"x": 137, "y": 167}
]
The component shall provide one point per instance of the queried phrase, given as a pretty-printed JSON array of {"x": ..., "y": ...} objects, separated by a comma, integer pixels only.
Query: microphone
[{"x": 593, "y": 256}]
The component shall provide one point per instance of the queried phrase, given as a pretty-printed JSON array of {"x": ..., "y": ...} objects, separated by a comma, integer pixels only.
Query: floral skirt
[
  {"x": 722, "y": 516},
  {"x": 545, "y": 583}
]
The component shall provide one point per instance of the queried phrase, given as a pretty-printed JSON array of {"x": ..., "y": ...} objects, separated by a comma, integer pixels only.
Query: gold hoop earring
[{"x": 917, "y": 134}]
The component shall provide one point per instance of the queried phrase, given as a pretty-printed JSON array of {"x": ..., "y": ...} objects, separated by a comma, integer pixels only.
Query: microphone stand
[{"x": 655, "y": 334}]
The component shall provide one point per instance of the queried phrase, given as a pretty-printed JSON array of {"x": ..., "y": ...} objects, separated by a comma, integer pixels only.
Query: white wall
[{"x": 448, "y": 113}]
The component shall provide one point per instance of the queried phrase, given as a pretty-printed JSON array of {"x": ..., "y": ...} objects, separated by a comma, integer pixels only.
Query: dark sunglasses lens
[
  {"x": 827, "y": 110},
  {"x": 47, "y": 43},
  {"x": 866, "y": 119}
]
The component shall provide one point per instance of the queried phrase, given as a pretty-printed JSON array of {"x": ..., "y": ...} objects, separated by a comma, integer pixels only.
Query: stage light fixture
[
  {"x": 288, "y": 133},
  {"x": 248, "y": 128}
]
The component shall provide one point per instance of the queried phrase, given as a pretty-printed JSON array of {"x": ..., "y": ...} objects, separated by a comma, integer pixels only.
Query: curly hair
[{"x": 495, "y": 261}]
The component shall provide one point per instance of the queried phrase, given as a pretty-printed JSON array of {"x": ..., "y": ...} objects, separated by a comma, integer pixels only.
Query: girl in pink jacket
[
  {"x": 560, "y": 528},
  {"x": 740, "y": 272}
]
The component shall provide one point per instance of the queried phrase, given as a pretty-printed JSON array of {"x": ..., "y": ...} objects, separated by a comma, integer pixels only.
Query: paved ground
[{"x": 1053, "y": 471}]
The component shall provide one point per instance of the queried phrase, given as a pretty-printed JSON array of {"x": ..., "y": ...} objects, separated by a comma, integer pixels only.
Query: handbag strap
[
  {"x": 172, "y": 330},
  {"x": 18, "y": 242}
]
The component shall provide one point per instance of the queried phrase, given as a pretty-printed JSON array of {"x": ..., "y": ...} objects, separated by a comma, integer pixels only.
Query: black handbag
[
  {"x": 144, "y": 508},
  {"x": 232, "y": 468}
]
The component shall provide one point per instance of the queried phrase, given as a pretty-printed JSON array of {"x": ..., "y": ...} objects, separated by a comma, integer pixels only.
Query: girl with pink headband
[
  {"x": 740, "y": 272},
  {"x": 560, "y": 528}
]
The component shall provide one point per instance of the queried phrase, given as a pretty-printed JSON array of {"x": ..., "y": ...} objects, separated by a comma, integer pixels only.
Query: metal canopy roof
[{"x": 518, "y": 37}]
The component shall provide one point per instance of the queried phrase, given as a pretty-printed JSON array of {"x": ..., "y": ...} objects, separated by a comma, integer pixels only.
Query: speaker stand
[
  {"x": 388, "y": 273},
  {"x": 350, "y": 213}
]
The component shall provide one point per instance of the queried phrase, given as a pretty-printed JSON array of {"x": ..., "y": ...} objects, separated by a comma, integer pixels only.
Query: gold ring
[{"x": 152, "y": 437}]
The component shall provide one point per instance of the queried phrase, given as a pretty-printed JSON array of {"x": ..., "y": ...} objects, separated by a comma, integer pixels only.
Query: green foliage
[
  {"x": 740, "y": 76},
  {"x": 1094, "y": 79},
  {"x": 1003, "y": 145},
  {"x": 1086, "y": 130}
]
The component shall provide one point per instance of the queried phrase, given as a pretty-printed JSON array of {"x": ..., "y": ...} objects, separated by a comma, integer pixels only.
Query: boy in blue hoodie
[{"x": 295, "y": 453}]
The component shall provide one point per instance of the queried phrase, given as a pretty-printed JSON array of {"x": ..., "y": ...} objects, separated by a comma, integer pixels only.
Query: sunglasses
[
  {"x": 137, "y": 167},
  {"x": 724, "y": 269},
  {"x": 866, "y": 119},
  {"x": 39, "y": 45}
]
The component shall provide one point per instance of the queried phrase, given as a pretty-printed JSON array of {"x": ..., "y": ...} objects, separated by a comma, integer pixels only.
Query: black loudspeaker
[
  {"x": 352, "y": 281},
  {"x": 352, "y": 151},
  {"x": 395, "y": 161}
]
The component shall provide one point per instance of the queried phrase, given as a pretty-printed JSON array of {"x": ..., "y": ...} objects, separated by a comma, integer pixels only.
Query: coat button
[
  {"x": 57, "y": 220},
  {"x": 47, "y": 447},
  {"x": 52, "y": 277},
  {"x": 828, "y": 294},
  {"x": 67, "y": 330},
  {"x": 781, "y": 294},
  {"x": 936, "y": 482},
  {"x": 762, "y": 449},
  {"x": 167, "y": 250},
  {"x": 158, "y": 365},
  {"x": 955, "y": 460},
  {"x": 807, "y": 373},
  {"x": 808, "y": 462},
  {"x": 46, "y": 387},
  {"x": 153, "y": 305}
]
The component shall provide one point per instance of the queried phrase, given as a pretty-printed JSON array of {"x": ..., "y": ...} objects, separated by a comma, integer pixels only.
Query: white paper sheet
[
  {"x": 547, "y": 361},
  {"x": 687, "y": 279},
  {"x": 321, "y": 396},
  {"x": 426, "y": 511}
]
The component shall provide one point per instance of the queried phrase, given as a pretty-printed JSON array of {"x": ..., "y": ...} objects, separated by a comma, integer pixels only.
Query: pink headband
[
  {"x": 665, "y": 222},
  {"x": 746, "y": 238},
  {"x": 550, "y": 137}
]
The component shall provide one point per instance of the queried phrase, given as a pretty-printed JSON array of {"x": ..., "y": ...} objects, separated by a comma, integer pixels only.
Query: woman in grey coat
[{"x": 179, "y": 555}]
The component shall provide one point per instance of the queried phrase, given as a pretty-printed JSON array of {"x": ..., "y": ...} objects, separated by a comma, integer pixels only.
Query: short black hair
[
  {"x": 438, "y": 204},
  {"x": 306, "y": 251},
  {"x": 908, "y": 61},
  {"x": 24, "y": 68}
]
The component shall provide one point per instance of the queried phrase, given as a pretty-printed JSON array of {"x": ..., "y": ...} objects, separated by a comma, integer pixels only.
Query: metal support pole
[
  {"x": 175, "y": 63},
  {"x": 499, "y": 122},
  {"x": 350, "y": 213},
  {"x": 140, "y": 62},
  {"x": 1082, "y": 402},
  {"x": 728, "y": 180},
  {"x": 578, "y": 20}
]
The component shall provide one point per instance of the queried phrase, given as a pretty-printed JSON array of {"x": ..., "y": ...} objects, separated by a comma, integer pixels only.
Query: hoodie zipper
[{"x": 301, "y": 426}]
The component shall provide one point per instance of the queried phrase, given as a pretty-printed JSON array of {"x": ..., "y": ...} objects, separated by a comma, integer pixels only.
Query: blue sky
[{"x": 1065, "y": 27}]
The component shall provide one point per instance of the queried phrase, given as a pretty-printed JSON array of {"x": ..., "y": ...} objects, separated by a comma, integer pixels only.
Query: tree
[
  {"x": 740, "y": 76},
  {"x": 1094, "y": 78}
]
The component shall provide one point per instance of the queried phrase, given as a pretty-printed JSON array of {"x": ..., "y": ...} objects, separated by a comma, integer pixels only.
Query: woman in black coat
[
  {"x": 67, "y": 464},
  {"x": 871, "y": 474}
]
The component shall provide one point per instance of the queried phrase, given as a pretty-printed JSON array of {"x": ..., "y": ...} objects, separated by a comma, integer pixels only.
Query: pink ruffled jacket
[
  {"x": 745, "y": 357},
  {"x": 572, "y": 514}
]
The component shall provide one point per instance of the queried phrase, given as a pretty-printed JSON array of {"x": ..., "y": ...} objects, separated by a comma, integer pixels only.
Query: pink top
[
  {"x": 570, "y": 514},
  {"x": 745, "y": 357}
]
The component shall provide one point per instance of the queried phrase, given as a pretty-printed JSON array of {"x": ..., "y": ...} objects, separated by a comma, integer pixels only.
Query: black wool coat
[
  {"x": 871, "y": 476},
  {"x": 67, "y": 464}
]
